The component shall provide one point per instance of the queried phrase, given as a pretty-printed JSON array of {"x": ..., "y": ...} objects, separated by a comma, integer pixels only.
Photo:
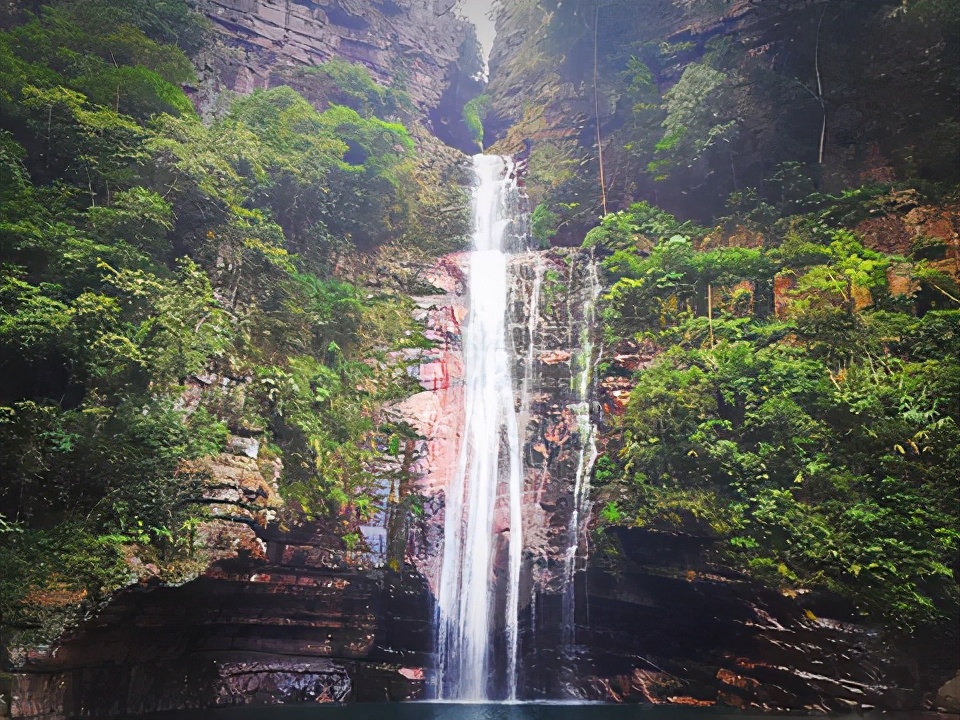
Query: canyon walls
[{"x": 421, "y": 46}]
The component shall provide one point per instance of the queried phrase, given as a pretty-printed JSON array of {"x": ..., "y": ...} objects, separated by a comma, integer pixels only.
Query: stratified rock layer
[
  {"x": 666, "y": 626},
  {"x": 422, "y": 46},
  {"x": 301, "y": 626}
]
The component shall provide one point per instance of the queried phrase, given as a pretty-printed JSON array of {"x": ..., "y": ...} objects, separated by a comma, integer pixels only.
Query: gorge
[
  {"x": 306, "y": 402},
  {"x": 484, "y": 503}
]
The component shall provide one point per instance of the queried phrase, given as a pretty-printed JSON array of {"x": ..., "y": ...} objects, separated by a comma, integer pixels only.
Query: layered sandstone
[{"x": 422, "y": 46}]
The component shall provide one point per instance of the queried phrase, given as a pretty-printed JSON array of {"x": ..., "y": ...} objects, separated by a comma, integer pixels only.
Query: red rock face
[
  {"x": 437, "y": 412},
  {"x": 549, "y": 432}
]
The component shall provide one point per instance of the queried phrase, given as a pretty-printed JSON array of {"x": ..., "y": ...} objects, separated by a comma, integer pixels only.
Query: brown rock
[
  {"x": 900, "y": 279},
  {"x": 783, "y": 284},
  {"x": 888, "y": 233},
  {"x": 554, "y": 357},
  {"x": 739, "y": 681},
  {"x": 948, "y": 697},
  {"x": 694, "y": 702}
]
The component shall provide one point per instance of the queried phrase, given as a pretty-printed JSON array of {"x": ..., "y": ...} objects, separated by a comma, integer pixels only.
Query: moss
[{"x": 474, "y": 112}]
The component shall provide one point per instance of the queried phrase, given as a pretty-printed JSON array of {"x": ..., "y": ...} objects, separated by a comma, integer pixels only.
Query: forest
[
  {"x": 777, "y": 226},
  {"x": 143, "y": 246}
]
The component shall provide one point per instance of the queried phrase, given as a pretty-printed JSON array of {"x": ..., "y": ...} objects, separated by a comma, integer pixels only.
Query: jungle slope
[
  {"x": 781, "y": 251},
  {"x": 202, "y": 320}
]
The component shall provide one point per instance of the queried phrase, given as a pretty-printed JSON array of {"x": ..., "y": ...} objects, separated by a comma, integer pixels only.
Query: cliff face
[
  {"x": 548, "y": 333},
  {"x": 420, "y": 45},
  {"x": 296, "y": 616},
  {"x": 303, "y": 624},
  {"x": 273, "y": 616},
  {"x": 698, "y": 100},
  {"x": 666, "y": 627}
]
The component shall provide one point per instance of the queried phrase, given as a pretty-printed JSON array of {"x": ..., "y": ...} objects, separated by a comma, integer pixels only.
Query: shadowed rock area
[{"x": 300, "y": 626}]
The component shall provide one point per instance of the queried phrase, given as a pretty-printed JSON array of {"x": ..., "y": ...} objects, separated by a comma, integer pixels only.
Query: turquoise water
[{"x": 462, "y": 711}]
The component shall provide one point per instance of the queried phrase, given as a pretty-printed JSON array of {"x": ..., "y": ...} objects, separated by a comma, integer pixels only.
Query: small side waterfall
[
  {"x": 478, "y": 611},
  {"x": 587, "y": 455},
  {"x": 532, "y": 310}
]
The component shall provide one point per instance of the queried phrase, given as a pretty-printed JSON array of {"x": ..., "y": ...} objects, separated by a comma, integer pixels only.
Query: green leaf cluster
[
  {"x": 473, "y": 114},
  {"x": 816, "y": 441},
  {"x": 143, "y": 250}
]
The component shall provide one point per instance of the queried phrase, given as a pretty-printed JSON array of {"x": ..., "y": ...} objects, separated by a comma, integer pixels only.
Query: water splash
[{"x": 483, "y": 504}]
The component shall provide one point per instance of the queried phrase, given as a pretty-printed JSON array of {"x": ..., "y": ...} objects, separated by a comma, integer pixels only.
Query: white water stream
[
  {"x": 587, "y": 456},
  {"x": 482, "y": 522}
]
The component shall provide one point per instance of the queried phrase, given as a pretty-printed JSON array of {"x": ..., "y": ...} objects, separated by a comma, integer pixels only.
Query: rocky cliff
[
  {"x": 558, "y": 70},
  {"x": 302, "y": 624},
  {"x": 280, "y": 614},
  {"x": 421, "y": 46},
  {"x": 666, "y": 626},
  {"x": 262, "y": 613},
  {"x": 295, "y": 615}
]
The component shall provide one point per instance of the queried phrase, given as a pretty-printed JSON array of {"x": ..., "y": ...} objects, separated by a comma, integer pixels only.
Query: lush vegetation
[
  {"x": 756, "y": 189},
  {"x": 813, "y": 431},
  {"x": 142, "y": 248},
  {"x": 473, "y": 114},
  {"x": 803, "y": 407},
  {"x": 684, "y": 124}
]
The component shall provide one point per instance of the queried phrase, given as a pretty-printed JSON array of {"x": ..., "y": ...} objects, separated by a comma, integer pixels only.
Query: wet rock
[
  {"x": 299, "y": 626},
  {"x": 948, "y": 696},
  {"x": 196, "y": 682},
  {"x": 731, "y": 641}
]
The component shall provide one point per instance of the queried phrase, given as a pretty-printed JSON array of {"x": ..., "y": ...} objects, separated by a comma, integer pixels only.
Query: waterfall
[
  {"x": 532, "y": 310},
  {"x": 587, "y": 455},
  {"x": 478, "y": 604}
]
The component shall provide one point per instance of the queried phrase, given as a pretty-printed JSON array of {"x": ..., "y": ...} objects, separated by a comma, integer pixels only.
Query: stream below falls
[{"x": 500, "y": 711}]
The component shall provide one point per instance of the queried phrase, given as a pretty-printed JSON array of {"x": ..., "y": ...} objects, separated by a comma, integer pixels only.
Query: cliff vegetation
[
  {"x": 778, "y": 204},
  {"x": 146, "y": 253}
]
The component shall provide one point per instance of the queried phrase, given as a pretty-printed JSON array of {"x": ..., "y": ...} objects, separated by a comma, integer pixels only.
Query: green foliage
[
  {"x": 637, "y": 228},
  {"x": 696, "y": 119},
  {"x": 112, "y": 65},
  {"x": 543, "y": 225},
  {"x": 345, "y": 83},
  {"x": 820, "y": 446},
  {"x": 168, "y": 22},
  {"x": 334, "y": 173},
  {"x": 688, "y": 123},
  {"x": 473, "y": 115},
  {"x": 142, "y": 248},
  {"x": 611, "y": 513},
  {"x": 138, "y": 217},
  {"x": 818, "y": 474}
]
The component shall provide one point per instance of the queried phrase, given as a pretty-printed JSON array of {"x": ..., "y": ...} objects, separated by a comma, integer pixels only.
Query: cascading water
[
  {"x": 586, "y": 457},
  {"x": 478, "y": 615},
  {"x": 532, "y": 310}
]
